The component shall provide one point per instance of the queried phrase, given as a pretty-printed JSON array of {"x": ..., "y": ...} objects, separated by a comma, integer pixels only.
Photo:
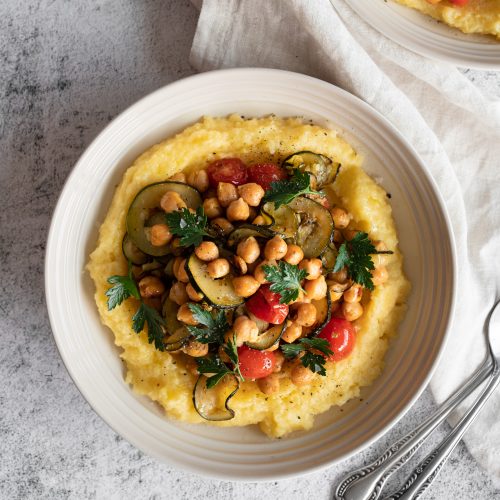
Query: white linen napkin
[{"x": 455, "y": 129}]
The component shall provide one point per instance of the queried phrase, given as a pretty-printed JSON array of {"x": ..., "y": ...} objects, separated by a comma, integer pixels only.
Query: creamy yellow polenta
[
  {"x": 478, "y": 16},
  {"x": 162, "y": 376}
]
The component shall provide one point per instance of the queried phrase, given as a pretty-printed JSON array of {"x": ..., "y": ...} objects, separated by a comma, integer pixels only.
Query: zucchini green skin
[
  {"x": 178, "y": 334},
  {"x": 200, "y": 396},
  {"x": 328, "y": 257},
  {"x": 322, "y": 167},
  {"x": 283, "y": 219},
  {"x": 247, "y": 230},
  {"x": 148, "y": 199},
  {"x": 217, "y": 292},
  {"x": 316, "y": 227},
  {"x": 132, "y": 253},
  {"x": 327, "y": 319},
  {"x": 268, "y": 338}
]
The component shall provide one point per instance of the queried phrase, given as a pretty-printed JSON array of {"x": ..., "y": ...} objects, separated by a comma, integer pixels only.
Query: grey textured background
[{"x": 69, "y": 67}]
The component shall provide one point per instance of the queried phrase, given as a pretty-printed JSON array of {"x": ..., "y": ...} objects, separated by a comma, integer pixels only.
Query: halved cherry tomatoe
[
  {"x": 255, "y": 364},
  {"x": 341, "y": 336},
  {"x": 265, "y": 304},
  {"x": 459, "y": 2},
  {"x": 231, "y": 170},
  {"x": 265, "y": 173}
]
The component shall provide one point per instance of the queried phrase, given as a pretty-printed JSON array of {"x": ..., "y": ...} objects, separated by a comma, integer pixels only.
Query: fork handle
[
  {"x": 423, "y": 475},
  {"x": 366, "y": 483}
]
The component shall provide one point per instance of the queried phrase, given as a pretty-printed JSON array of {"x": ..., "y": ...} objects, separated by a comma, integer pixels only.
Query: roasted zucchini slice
[
  {"x": 282, "y": 220},
  {"x": 217, "y": 292},
  {"x": 322, "y": 167},
  {"x": 132, "y": 253},
  {"x": 247, "y": 230},
  {"x": 328, "y": 257},
  {"x": 315, "y": 228},
  {"x": 213, "y": 404},
  {"x": 324, "y": 314},
  {"x": 268, "y": 338},
  {"x": 177, "y": 333},
  {"x": 142, "y": 209}
]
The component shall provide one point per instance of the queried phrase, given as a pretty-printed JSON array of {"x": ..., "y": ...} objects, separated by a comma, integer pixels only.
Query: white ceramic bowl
[
  {"x": 427, "y": 36},
  {"x": 87, "y": 347}
]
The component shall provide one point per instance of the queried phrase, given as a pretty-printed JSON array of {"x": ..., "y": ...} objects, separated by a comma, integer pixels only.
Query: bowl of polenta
[{"x": 259, "y": 289}]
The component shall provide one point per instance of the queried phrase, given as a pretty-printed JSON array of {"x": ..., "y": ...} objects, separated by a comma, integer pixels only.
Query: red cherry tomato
[
  {"x": 231, "y": 170},
  {"x": 265, "y": 304},
  {"x": 341, "y": 336},
  {"x": 265, "y": 173},
  {"x": 255, "y": 364},
  {"x": 459, "y": 2}
]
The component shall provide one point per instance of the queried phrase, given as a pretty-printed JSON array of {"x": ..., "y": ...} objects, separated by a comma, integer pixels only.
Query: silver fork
[{"x": 367, "y": 483}]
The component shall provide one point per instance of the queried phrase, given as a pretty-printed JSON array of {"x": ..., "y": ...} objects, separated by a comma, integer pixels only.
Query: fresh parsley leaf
[
  {"x": 285, "y": 191},
  {"x": 124, "y": 287},
  {"x": 213, "y": 365},
  {"x": 216, "y": 325},
  {"x": 311, "y": 359},
  {"x": 355, "y": 255},
  {"x": 232, "y": 351},
  {"x": 150, "y": 316},
  {"x": 190, "y": 227},
  {"x": 285, "y": 279}
]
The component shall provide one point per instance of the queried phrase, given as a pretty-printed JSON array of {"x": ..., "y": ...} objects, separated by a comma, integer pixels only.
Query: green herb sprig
[
  {"x": 190, "y": 227},
  {"x": 313, "y": 360},
  {"x": 215, "y": 325},
  {"x": 285, "y": 279},
  {"x": 125, "y": 287},
  {"x": 285, "y": 191}
]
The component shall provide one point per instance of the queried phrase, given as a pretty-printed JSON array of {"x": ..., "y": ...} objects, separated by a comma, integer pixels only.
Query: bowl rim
[{"x": 50, "y": 243}]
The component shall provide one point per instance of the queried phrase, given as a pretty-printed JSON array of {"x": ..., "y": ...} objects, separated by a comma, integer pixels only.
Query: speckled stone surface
[{"x": 67, "y": 68}]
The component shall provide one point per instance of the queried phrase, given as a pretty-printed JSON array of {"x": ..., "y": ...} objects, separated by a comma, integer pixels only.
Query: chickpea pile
[{"x": 226, "y": 207}]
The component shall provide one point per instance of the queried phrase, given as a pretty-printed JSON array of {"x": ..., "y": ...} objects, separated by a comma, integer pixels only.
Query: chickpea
[
  {"x": 207, "y": 251},
  {"x": 293, "y": 332},
  {"x": 276, "y": 248},
  {"x": 294, "y": 254},
  {"x": 245, "y": 329},
  {"x": 185, "y": 315},
  {"x": 180, "y": 270},
  {"x": 218, "y": 268},
  {"x": 238, "y": 210},
  {"x": 259, "y": 273},
  {"x": 270, "y": 384},
  {"x": 160, "y": 235},
  {"x": 252, "y": 193},
  {"x": 340, "y": 217},
  {"x": 338, "y": 237},
  {"x": 313, "y": 267},
  {"x": 172, "y": 201},
  {"x": 151, "y": 286},
  {"x": 176, "y": 246},
  {"x": 339, "y": 276},
  {"x": 259, "y": 221},
  {"x": 353, "y": 294},
  {"x": 212, "y": 208},
  {"x": 301, "y": 375},
  {"x": 306, "y": 314},
  {"x": 198, "y": 180},
  {"x": 192, "y": 366},
  {"x": 223, "y": 224},
  {"x": 178, "y": 177},
  {"x": 195, "y": 349},
  {"x": 240, "y": 264},
  {"x": 248, "y": 249},
  {"x": 226, "y": 192},
  {"x": 352, "y": 310},
  {"x": 178, "y": 293},
  {"x": 279, "y": 359},
  {"x": 223, "y": 354},
  {"x": 334, "y": 293},
  {"x": 349, "y": 234},
  {"x": 244, "y": 286},
  {"x": 154, "y": 302},
  {"x": 380, "y": 275},
  {"x": 316, "y": 289},
  {"x": 193, "y": 294}
]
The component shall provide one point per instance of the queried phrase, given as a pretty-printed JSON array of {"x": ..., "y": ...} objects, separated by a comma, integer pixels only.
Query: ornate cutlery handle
[
  {"x": 429, "y": 468},
  {"x": 366, "y": 483}
]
